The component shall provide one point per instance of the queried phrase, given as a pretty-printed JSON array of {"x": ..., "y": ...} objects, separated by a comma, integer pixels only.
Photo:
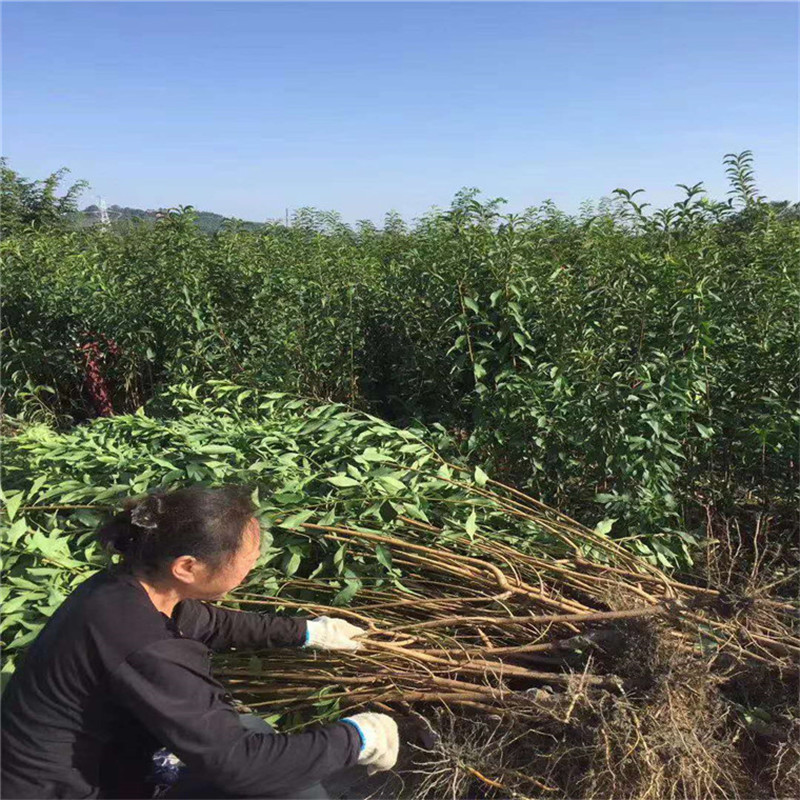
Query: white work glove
[
  {"x": 380, "y": 741},
  {"x": 329, "y": 633}
]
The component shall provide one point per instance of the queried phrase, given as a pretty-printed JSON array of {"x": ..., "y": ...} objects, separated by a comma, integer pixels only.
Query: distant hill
[{"x": 206, "y": 220}]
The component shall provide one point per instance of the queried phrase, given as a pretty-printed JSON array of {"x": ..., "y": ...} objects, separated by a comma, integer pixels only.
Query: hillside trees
[{"x": 36, "y": 204}]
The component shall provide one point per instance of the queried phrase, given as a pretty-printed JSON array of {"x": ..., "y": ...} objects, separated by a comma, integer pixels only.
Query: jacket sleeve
[
  {"x": 168, "y": 688},
  {"x": 222, "y": 628}
]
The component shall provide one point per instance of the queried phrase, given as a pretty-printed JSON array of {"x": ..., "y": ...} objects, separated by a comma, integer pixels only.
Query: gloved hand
[
  {"x": 329, "y": 633},
  {"x": 380, "y": 741}
]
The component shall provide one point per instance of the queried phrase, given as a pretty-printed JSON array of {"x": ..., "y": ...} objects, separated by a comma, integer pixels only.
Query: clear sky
[{"x": 248, "y": 108}]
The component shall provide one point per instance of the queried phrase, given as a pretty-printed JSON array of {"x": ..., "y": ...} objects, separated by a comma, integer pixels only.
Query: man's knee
[{"x": 252, "y": 722}]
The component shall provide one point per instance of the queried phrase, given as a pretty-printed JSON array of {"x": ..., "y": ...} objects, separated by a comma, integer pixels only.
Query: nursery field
[{"x": 549, "y": 461}]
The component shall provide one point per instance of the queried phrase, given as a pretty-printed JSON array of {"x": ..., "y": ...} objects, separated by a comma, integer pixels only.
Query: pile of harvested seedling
[
  {"x": 524, "y": 654},
  {"x": 536, "y": 672}
]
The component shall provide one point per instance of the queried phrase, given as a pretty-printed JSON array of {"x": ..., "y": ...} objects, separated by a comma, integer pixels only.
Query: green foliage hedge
[{"x": 614, "y": 363}]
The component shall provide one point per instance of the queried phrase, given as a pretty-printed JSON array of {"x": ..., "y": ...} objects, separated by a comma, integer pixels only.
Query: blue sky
[{"x": 248, "y": 108}]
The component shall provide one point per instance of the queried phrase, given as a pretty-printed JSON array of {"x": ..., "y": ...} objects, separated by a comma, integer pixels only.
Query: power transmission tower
[
  {"x": 102, "y": 215},
  {"x": 105, "y": 221}
]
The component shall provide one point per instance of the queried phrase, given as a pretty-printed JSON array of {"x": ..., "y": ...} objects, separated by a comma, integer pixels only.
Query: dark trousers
[{"x": 192, "y": 786}]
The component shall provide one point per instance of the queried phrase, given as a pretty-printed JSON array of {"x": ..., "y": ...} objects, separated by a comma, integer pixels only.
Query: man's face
[{"x": 213, "y": 585}]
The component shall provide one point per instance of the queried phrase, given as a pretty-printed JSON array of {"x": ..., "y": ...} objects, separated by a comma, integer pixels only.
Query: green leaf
[
  {"x": 291, "y": 563},
  {"x": 392, "y": 483},
  {"x": 371, "y": 454},
  {"x": 338, "y": 557},
  {"x": 216, "y": 449},
  {"x": 25, "y": 639},
  {"x": 471, "y": 304},
  {"x": 12, "y": 503},
  {"x": 472, "y": 524},
  {"x": 288, "y": 498},
  {"x": 480, "y": 477},
  {"x": 328, "y": 519},
  {"x": 343, "y": 597},
  {"x": 343, "y": 481},
  {"x": 37, "y": 484},
  {"x": 295, "y": 521},
  {"x": 16, "y": 531},
  {"x": 705, "y": 431},
  {"x": 604, "y": 526},
  {"x": 383, "y": 555},
  {"x": 605, "y": 499},
  {"x": 655, "y": 425}
]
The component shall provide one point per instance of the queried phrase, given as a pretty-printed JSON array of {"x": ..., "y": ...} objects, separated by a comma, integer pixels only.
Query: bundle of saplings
[{"x": 525, "y": 654}]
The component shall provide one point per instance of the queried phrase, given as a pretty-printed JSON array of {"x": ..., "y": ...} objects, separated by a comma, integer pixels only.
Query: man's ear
[{"x": 186, "y": 569}]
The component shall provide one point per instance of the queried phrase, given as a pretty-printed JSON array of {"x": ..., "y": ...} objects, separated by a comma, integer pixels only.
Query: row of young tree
[{"x": 619, "y": 364}]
